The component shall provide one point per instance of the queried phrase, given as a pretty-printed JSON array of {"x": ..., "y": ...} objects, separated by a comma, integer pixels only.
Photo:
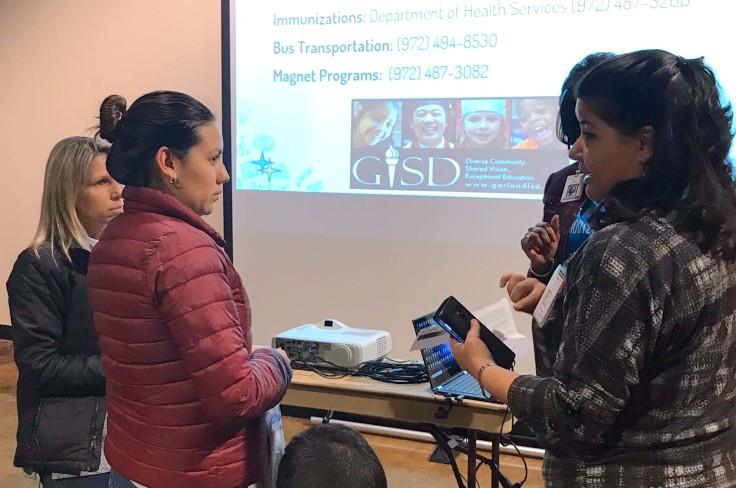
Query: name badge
[
  {"x": 574, "y": 188},
  {"x": 556, "y": 283}
]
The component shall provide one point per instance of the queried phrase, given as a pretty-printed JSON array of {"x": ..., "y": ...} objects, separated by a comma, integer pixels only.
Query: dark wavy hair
[
  {"x": 568, "y": 127},
  {"x": 157, "y": 119},
  {"x": 689, "y": 173},
  {"x": 330, "y": 455}
]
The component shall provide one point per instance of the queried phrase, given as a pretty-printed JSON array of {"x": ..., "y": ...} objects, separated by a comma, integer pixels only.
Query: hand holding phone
[{"x": 455, "y": 319}]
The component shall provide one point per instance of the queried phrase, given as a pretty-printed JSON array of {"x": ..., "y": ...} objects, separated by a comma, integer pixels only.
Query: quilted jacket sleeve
[
  {"x": 196, "y": 303},
  {"x": 37, "y": 315}
]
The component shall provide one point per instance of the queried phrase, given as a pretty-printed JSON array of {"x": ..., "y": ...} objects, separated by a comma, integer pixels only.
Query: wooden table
[{"x": 409, "y": 403}]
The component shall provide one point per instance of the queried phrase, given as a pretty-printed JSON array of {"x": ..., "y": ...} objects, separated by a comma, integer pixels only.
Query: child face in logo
[
  {"x": 482, "y": 127},
  {"x": 375, "y": 124},
  {"x": 538, "y": 119},
  {"x": 429, "y": 123}
]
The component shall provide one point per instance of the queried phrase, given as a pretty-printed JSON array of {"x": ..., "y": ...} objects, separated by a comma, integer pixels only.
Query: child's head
[
  {"x": 538, "y": 118},
  {"x": 330, "y": 455},
  {"x": 374, "y": 121},
  {"x": 483, "y": 122}
]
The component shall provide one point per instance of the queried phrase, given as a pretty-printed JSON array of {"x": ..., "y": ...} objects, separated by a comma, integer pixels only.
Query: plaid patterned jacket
[{"x": 641, "y": 346}]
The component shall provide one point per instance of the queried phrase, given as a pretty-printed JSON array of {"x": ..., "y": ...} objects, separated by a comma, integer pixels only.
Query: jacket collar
[
  {"x": 80, "y": 258},
  {"x": 149, "y": 200}
]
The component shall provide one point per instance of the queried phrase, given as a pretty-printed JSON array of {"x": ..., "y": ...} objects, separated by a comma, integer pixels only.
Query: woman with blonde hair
[{"x": 61, "y": 389}]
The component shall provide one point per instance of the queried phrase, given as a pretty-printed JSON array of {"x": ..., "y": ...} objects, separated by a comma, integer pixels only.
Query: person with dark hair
[
  {"x": 565, "y": 221},
  {"x": 61, "y": 388},
  {"x": 330, "y": 455},
  {"x": 187, "y": 391},
  {"x": 644, "y": 377},
  {"x": 373, "y": 122},
  {"x": 428, "y": 122}
]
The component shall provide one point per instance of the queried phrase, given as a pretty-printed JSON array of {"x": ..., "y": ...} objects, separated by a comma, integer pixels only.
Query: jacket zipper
[{"x": 93, "y": 436}]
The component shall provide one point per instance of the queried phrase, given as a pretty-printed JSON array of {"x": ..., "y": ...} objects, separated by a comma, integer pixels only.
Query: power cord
[
  {"x": 506, "y": 440},
  {"x": 389, "y": 370},
  {"x": 386, "y": 370},
  {"x": 448, "y": 445}
]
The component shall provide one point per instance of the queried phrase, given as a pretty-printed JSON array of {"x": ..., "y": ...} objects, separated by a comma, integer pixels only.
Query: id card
[
  {"x": 574, "y": 188},
  {"x": 556, "y": 283}
]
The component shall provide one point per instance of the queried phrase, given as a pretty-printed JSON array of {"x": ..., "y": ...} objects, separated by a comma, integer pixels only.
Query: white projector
[{"x": 335, "y": 342}]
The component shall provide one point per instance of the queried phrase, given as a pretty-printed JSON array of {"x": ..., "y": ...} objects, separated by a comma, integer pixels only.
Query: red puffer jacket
[{"x": 185, "y": 394}]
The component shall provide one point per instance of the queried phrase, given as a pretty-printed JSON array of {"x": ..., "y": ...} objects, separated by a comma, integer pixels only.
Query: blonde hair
[{"x": 66, "y": 173}]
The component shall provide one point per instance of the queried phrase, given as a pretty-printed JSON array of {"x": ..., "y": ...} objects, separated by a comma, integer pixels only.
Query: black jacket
[
  {"x": 567, "y": 211},
  {"x": 61, "y": 389}
]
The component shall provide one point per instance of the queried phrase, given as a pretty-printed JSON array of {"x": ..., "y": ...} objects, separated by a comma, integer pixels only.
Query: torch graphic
[{"x": 392, "y": 159}]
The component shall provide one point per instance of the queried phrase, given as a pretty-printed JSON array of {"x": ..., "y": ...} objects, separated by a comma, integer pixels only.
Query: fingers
[
  {"x": 474, "y": 332},
  {"x": 529, "y": 297},
  {"x": 529, "y": 238},
  {"x": 510, "y": 278},
  {"x": 504, "y": 279},
  {"x": 541, "y": 236},
  {"x": 556, "y": 226},
  {"x": 455, "y": 347},
  {"x": 471, "y": 352},
  {"x": 527, "y": 304},
  {"x": 513, "y": 281},
  {"x": 546, "y": 234},
  {"x": 539, "y": 239},
  {"x": 523, "y": 289}
]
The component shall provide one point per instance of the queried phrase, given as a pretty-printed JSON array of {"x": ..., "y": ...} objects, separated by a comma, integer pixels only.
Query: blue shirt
[{"x": 580, "y": 229}]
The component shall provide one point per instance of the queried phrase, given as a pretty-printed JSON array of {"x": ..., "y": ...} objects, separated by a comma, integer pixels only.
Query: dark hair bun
[
  {"x": 157, "y": 119},
  {"x": 111, "y": 111}
]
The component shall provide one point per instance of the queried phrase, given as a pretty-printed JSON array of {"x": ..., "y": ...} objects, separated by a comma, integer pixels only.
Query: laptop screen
[{"x": 441, "y": 364}]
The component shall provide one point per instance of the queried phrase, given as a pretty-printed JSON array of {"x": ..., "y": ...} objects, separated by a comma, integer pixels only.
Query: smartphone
[{"x": 455, "y": 319}]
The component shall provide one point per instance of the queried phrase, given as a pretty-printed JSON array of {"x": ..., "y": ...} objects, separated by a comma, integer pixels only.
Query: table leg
[
  {"x": 472, "y": 437},
  {"x": 496, "y": 457}
]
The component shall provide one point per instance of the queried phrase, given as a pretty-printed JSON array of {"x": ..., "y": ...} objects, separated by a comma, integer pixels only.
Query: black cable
[
  {"x": 438, "y": 434},
  {"x": 518, "y": 453},
  {"x": 505, "y": 483},
  {"x": 397, "y": 361},
  {"x": 441, "y": 439},
  {"x": 506, "y": 440},
  {"x": 404, "y": 372},
  {"x": 477, "y": 483},
  {"x": 477, "y": 467},
  {"x": 503, "y": 437},
  {"x": 385, "y": 370}
]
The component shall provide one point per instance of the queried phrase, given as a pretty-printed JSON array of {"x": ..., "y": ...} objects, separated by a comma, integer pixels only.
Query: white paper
[
  {"x": 499, "y": 318},
  {"x": 430, "y": 337}
]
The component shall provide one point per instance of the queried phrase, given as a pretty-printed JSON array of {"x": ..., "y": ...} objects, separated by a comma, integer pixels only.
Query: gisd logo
[{"x": 410, "y": 172}]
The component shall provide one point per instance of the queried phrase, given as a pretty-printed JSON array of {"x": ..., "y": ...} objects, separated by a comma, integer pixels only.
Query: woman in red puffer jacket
[{"x": 186, "y": 390}]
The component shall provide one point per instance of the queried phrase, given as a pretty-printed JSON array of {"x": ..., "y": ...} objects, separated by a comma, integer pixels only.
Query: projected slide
[
  {"x": 429, "y": 98},
  {"x": 456, "y": 145}
]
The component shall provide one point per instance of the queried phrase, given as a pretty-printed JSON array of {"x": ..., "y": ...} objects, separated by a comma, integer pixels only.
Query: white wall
[{"x": 60, "y": 58}]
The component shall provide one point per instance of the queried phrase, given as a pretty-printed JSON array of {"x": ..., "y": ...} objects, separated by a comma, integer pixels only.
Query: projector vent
[{"x": 381, "y": 346}]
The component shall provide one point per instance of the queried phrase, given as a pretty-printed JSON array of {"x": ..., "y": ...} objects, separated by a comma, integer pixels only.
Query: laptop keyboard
[{"x": 464, "y": 384}]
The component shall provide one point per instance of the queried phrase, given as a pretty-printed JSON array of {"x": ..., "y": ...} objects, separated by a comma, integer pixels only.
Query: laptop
[{"x": 446, "y": 377}]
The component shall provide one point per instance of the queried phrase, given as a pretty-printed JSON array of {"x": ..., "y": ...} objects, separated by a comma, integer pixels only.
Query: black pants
[{"x": 91, "y": 481}]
